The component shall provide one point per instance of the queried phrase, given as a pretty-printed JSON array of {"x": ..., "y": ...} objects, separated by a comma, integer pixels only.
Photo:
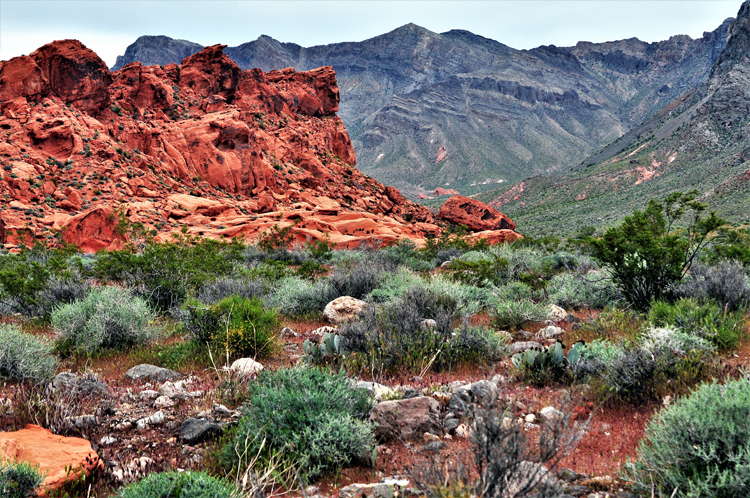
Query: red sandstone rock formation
[
  {"x": 442, "y": 191},
  {"x": 60, "y": 459},
  {"x": 205, "y": 145},
  {"x": 476, "y": 215}
]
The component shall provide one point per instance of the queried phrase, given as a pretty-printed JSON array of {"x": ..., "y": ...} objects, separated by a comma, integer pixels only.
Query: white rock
[
  {"x": 428, "y": 324},
  {"x": 163, "y": 402},
  {"x": 155, "y": 419},
  {"x": 149, "y": 394},
  {"x": 343, "y": 308},
  {"x": 462, "y": 431},
  {"x": 530, "y": 418},
  {"x": 322, "y": 330},
  {"x": 246, "y": 366},
  {"x": 549, "y": 332},
  {"x": 550, "y": 413},
  {"x": 556, "y": 313}
]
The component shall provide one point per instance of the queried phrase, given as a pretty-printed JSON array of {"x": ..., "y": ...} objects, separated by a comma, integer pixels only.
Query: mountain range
[{"x": 458, "y": 111}]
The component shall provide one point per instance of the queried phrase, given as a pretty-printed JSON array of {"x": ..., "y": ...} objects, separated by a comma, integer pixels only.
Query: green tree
[{"x": 646, "y": 254}]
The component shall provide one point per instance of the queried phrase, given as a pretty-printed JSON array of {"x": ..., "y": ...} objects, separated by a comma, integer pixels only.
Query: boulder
[
  {"x": 93, "y": 230},
  {"x": 375, "y": 490},
  {"x": 406, "y": 418},
  {"x": 556, "y": 313},
  {"x": 55, "y": 455},
  {"x": 549, "y": 332},
  {"x": 343, "y": 309},
  {"x": 246, "y": 366},
  {"x": 151, "y": 372},
  {"x": 476, "y": 215},
  {"x": 520, "y": 347},
  {"x": 194, "y": 430}
]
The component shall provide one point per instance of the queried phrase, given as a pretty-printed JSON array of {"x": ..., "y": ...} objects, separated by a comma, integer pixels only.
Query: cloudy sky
[{"x": 109, "y": 26}]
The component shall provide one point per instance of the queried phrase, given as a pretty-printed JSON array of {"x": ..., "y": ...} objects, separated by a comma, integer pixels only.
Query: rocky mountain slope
[
  {"x": 202, "y": 146},
  {"x": 459, "y": 111},
  {"x": 699, "y": 141}
]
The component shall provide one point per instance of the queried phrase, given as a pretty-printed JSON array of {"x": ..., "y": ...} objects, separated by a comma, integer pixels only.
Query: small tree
[{"x": 646, "y": 255}]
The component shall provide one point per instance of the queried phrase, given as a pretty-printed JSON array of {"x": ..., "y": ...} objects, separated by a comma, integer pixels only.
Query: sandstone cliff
[{"x": 202, "y": 145}]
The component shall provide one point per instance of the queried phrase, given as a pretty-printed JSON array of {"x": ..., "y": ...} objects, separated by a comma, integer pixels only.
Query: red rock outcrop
[
  {"x": 477, "y": 216},
  {"x": 60, "y": 459},
  {"x": 443, "y": 191},
  {"x": 205, "y": 145}
]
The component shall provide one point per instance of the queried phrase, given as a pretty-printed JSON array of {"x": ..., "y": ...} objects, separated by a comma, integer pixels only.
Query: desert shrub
[
  {"x": 19, "y": 479},
  {"x": 656, "y": 339},
  {"x": 646, "y": 257},
  {"x": 176, "y": 356},
  {"x": 561, "y": 261},
  {"x": 235, "y": 326},
  {"x": 520, "y": 260},
  {"x": 592, "y": 290},
  {"x": 503, "y": 458},
  {"x": 514, "y": 314},
  {"x": 699, "y": 446},
  {"x": 395, "y": 335},
  {"x": 513, "y": 291},
  {"x": 478, "y": 271},
  {"x": 35, "y": 280},
  {"x": 270, "y": 271},
  {"x": 175, "y": 484},
  {"x": 596, "y": 358},
  {"x": 25, "y": 356},
  {"x": 722, "y": 328},
  {"x": 166, "y": 273},
  {"x": 295, "y": 296},
  {"x": 216, "y": 290},
  {"x": 108, "y": 318},
  {"x": 726, "y": 284},
  {"x": 631, "y": 375},
  {"x": 359, "y": 279},
  {"x": 395, "y": 284},
  {"x": 452, "y": 239},
  {"x": 305, "y": 419},
  {"x": 613, "y": 324}
]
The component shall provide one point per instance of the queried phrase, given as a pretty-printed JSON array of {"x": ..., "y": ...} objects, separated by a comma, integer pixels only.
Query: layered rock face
[
  {"x": 203, "y": 145},
  {"x": 459, "y": 111}
]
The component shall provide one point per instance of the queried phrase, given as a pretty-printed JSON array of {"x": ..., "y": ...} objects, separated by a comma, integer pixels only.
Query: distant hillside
[
  {"x": 460, "y": 111},
  {"x": 700, "y": 141}
]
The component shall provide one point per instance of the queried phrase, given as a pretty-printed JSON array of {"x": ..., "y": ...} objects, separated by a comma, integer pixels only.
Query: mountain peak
[{"x": 737, "y": 49}]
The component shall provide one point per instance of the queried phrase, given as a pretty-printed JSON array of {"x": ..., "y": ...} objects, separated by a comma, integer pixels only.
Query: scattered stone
[
  {"x": 530, "y": 427},
  {"x": 320, "y": 331},
  {"x": 428, "y": 436},
  {"x": 343, "y": 309},
  {"x": 152, "y": 372},
  {"x": 483, "y": 391},
  {"x": 434, "y": 446},
  {"x": 462, "y": 431},
  {"x": 246, "y": 366},
  {"x": 530, "y": 418},
  {"x": 163, "y": 402},
  {"x": 124, "y": 426},
  {"x": 55, "y": 455},
  {"x": 65, "y": 380},
  {"x": 107, "y": 440},
  {"x": 148, "y": 395},
  {"x": 82, "y": 421},
  {"x": 456, "y": 384},
  {"x": 599, "y": 483},
  {"x": 170, "y": 390},
  {"x": 556, "y": 313},
  {"x": 286, "y": 333},
  {"x": 442, "y": 397},
  {"x": 221, "y": 411},
  {"x": 450, "y": 425},
  {"x": 569, "y": 475},
  {"x": 155, "y": 419},
  {"x": 406, "y": 418},
  {"x": 411, "y": 393},
  {"x": 428, "y": 324},
  {"x": 194, "y": 430},
  {"x": 519, "y": 347},
  {"x": 375, "y": 390},
  {"x": 550, "y": 413},
  {"x": 378, "y": 490},
  {"x": 549, "y": 332},
  {"x": 499, "y": 380}
]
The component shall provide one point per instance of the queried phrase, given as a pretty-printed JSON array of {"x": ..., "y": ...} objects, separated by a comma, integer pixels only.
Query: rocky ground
[{"x": 141, "y": 419}]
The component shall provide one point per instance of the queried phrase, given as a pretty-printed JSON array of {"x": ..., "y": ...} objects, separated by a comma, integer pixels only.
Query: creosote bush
[
  {"x": 175, "y": 484},
  {"x": 306, "y": 420},
  {"x": 25, "y": 356},
  {"x": 699, "y": 446},
  {"x": 234, "y": 327},
  {"x": 19, "y": 479},
  {"x": 108, "y": 318}
]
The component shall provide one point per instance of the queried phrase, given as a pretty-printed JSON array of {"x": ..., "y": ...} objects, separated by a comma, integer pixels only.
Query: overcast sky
[{"x": 108, "y": 27}]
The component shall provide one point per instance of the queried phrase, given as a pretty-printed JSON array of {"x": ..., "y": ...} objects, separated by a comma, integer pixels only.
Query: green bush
[
  {"x": 108, "y": 318},
  {"x": 295, "y": 296},
  {"x": 166, "y": 273},
  {"x": 723, "y": 328},
  {"x": 175, "y": 484},
  {"x": 480, "y": 272},
  {"x": 19, "y": 480},
  {"x": 24, "y": 356},
  {"x": 700, "y": 445},
  {"x": 515, "y": 314},
  {"x": 303, "y": 418},
  {"x": 644, "y": 254},
  {"x": 235, "y": 326},
  {"x": 592, "y": 290}
]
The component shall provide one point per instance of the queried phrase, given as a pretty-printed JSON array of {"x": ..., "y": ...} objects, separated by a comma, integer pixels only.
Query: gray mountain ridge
[{"x": 461, "y": 111}]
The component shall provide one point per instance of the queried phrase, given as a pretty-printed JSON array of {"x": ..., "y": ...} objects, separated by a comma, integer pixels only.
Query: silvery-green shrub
[
  {"x": 108, "y": 318},
  {"x": 25, "y": 356}
]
